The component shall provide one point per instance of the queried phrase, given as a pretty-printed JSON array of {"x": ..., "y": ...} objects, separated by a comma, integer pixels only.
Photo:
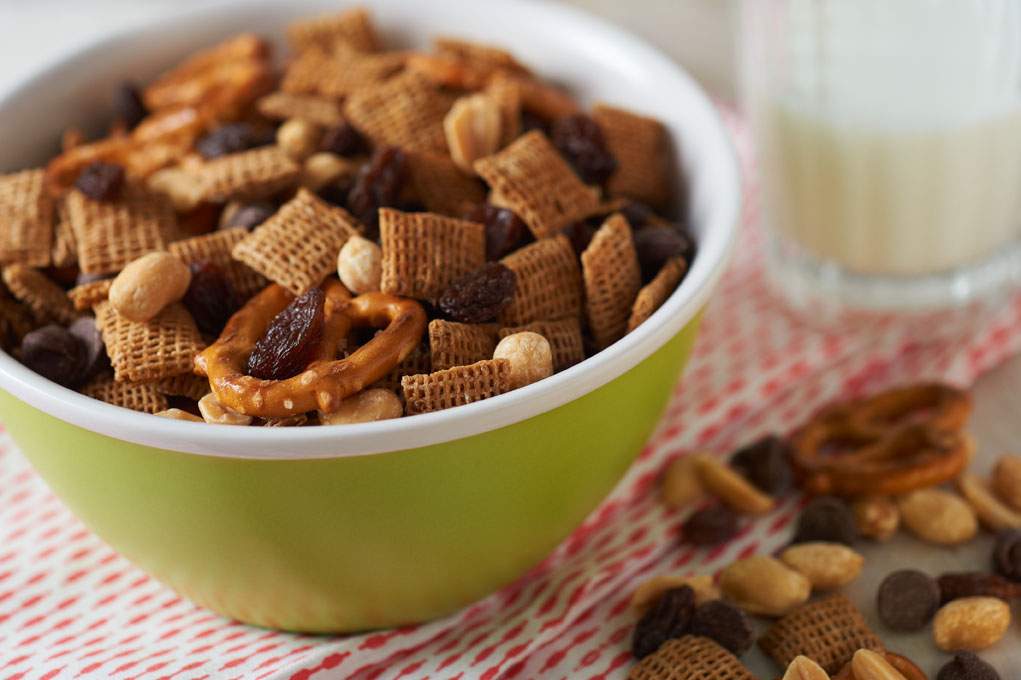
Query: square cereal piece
[
  {"x": 249, "y": 175},
  {"x": 352, "y": 28},
  {"x": 416, "y": 363},
  {"x": 652, "y": 296},
  {"x": 828, "y": 631},
  {"x": 298, "y": 246},
  {"x": 612, "y": 277},
  {"x": 338, "y": 73},
  {"x": 459, "y": 344},
  {"x": 424, "y": 253},
  {"x": 506, "y": 93},
  {"x": 88, "y": 295},
  {"x": 39, "y": 293},
  {"x": 216, "y": 247},
  {"x": 533, "y": 180},
  {"x": 564, "y": 337},
  {"x": 65, "y": 249},
  {"x": 142, "y": 352},
  {"x": 690, "y": 657},
  {"x": 441, "y": 186},
  {"x": 183, "y": 385},
  {"x": 640, "y": 144},
  {"x": 455, "y": 386},
  {"x": 478, "y": 54},
  {"x": 405, "y": 111},
  {"x": 110, "y": 234},
  {"x": 318, "y": 110},
  {"x": 549, "y": 282},
  {"x": 539, "y": 97},
  {"x": 26, "y": 219},
  {"x": 135, "y": 396}
]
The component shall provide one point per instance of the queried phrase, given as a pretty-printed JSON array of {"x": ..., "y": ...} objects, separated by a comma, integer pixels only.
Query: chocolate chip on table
[
  {"x": 343, "y": 140},
  {"x": 966, "y": 665},
  {"x": 91, "y": 339},
  {"x": 100, "y": 181},
  {"x": 580, "y": 141},
  {"x": 480, "y": 295},
  {"x": 826, "y": 519},
  {"x": 1007, "y": 553},
  {"x": 766, "y": 463},
  {"x": 710, "y": 526},
  {"x": 958, "y": 584},
  {"x": 54, "y": 353},
  {"x": 128, "y": 106},
  {"x": 250, "y": 216},
  {"x": 724, "y": 622},
  {"x": 227, "y": 139},
  {"x": 669, "y": 617},
  {"x": 505, "y": 231},
  {"x": 378, "y": 185},
  {"x": 907, "y": 600},
  {"x": 655, "y": 245}
]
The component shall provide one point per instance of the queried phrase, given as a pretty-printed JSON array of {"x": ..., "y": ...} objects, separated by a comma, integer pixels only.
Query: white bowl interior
[{"x": 595, "y": 60}]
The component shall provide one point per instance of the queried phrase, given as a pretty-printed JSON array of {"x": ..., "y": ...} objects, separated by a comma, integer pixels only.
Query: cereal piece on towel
[
  {"x": 135, "y": 396},
  {"x": 549, "y": 282},
  {"x": 338, "y": 73},
  {"x": 459, "y": 344},
  {"x": 65, "y": 249},
  {"x": 318, "y": 110},
  {"x": 183, "y": 385},
  {"x": 145, "y": 351},
  {"x": 88, "y": 295},
  {"x": 298, "y": 246},
  {"x": 640, "y": 145},
  {"x": 352, "y": 28},
  {"x": 110, "y": 234},
  {"x": 455, "y": 386},
  {"x": 26, "y": 219},
  {"x": 249, "y": 175},
  {"x": 424, "y": 253},
  {"x": 563, "y": 335},
  {"x": 38, "y": 292},
  {"x": 441, "y": 186},
  {"x": 690, "y": 657},
  {"x": 651, "y": 297},
  {"x": 405, "y": 111},
  {"x": 534, "y": 181},
  {"x": 612, "y": 280},
  {"x": 216, "y": 247},
  {"x": 828, "y": 631},
  {"x": 418, "y": 362}
]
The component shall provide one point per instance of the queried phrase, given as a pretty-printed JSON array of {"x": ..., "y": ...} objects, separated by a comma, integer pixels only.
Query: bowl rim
[{"x": 716, "y": 243}]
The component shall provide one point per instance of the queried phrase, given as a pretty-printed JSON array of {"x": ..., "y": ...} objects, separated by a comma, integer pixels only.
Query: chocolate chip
[
  {"x": 826, "y": 519},
  {"x": 710, "y": 526},
  {"x": 724, "y": 622},
  {"x": 343, "y": 140},
  {"x": 667, "y": 618},
  {"x": 1007, "y": 553},
  {"x": 95, "y": 351},
  {"x": 100, "y": 181},
  {"x": 656, "y": 245},
  {"x": 128, "y": 106},
  {"x": 251, "y": 216},
  {"x": 52, "y": 352},
  {"x": 227, "y": 139},
  {"x": 967, "y": 666},
  {"x": 766, "y": 463},
  {"x": 907, "y": 600}
]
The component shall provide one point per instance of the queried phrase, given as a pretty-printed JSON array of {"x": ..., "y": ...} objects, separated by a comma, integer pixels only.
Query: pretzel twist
[
  {"x": 327, "y": 380},
  {"x": 895, "y": 442}
]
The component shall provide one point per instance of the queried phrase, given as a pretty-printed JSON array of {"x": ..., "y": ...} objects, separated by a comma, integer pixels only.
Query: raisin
[
  {"x": 710, "y": 526},
  {"x": 101, "y": 181},
  {"x": 826, "y": 519},
  {"x": 580, "y": 141},
  {"x": 957, "y": 584},
  {"x": 766, "y": 464},
  {"x": 637, "y": 214},
  {"x": 667, "y": 618},
  {"x": 91, "y": 339},
  {"x": 967, "y": 666},
  {"x": 1007, "y": 553},
  {"x": 378, "y": 185},
  {"x": 227, "y": 139},
  {"x": 505, "y": 231},
  {"x": 128, "y": 106},
  {"x": 210, "y": 297},
  {"x": 580, "y": 235},
  {"x": 533, "y": 121},
  {"x": 656, "y": 245},
  {"x": 481, "y": 295},
  {"x": 724, "y": 622},
  {"x": 291, "y": 341},
  {"x": 250, "y": 216},
  {"x": 54, "y": 353},
  {"x": 338, "y": 191},
  {"x": 907, "y": 600},
  {"x": 343, "y": 140}
]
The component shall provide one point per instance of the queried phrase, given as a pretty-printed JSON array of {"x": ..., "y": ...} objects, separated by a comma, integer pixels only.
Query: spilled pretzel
[
  {"x": 327, "y": 380},
  {"x": 895, "y": 442}
]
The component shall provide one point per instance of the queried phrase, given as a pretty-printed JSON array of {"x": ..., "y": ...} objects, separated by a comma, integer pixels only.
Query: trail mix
[{"x": 367, "y": 234}]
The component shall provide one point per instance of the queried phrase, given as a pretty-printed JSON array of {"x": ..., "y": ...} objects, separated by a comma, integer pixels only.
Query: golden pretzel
[{"x": 327, "y": 380}]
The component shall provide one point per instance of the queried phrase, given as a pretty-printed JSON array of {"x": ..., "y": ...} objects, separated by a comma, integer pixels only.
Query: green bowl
[{"x": 339, "y": 529}]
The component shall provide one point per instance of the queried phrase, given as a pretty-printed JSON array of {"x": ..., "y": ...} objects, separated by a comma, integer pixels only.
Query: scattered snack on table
[
  {"x": 766, "y": 464},
  {"x": 690, "y": 657},
  {"x": 937, "y": 516},
  {"x": 648, "y": 591},
  {"x": 803, "y": 668},
  {"x": 668, "y": 617},
  {"x": 1007, "y": 553},
  {"x": 957, "y": 584},
  {"x": 993, "y": 513},
  {"x": 907, "y": 600},
  {"x": 679, "y": 485},
  {"x": 966, "y": 665},
  {"x": 730, "y": 487},
  {"x": 878, "y": 517},
  {"x": 826, "y": 519},
  {"x": 764, "y": 585},
  {"x": 827, "y": 566},
  {"x": 725, "y": 623},
  {"x": 971, "y": 623},
  {"x": 710, "y": 526}
]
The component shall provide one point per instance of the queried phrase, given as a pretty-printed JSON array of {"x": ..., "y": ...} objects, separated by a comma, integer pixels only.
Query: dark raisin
[
  {"x": 710, "y": 526},
  {"x": 656, "y": 245},
  {"x": 128, "y": 106},
  {"x": 580, "y": 235},
  {"x": 291, "y": 341},
  {"x": 826, "y": 519},
  {"x": 766, "y": 463},
  {"x": 337, "y": 192},
  {"x": 343, "y": 140},
  {"x": 958, "y": 584},
  {"x": 580, "y": 141},
  {"x": 907, "y": 600},
  {"x": 481, "y": 295},
  {"x": 724, "y": 622},
  {"x": 505, "y": 231},
  {"x": 533, "y": 121},
  {"x": 250, "y": 216},
  {"x": 227, "y": 139},
  {"x": 669, "y": 617},
  {"x": 54, "y": 353},
  {"x": 1007, "y": 553},
  {"x": 101, "y": 181},
  {"x": 967, "y": 666},
  {"x": 92, "y": 342},
  {"x": 210, "y": 297},
  {"x": 378, "y": 185},
  {"x": 637, "y": 214}
]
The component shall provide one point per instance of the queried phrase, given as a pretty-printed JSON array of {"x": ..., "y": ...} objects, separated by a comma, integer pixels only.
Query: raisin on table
[{"x": 669, "y": 617}]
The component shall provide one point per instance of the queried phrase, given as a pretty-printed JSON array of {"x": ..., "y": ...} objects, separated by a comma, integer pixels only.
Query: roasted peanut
[
  {"x": 360, "y": 265},
  {"x": 147, "y": 285},
  {"x": 730, "y": 487},
  {"x": 322, "y": 168},
  {"x": 803, "y": 668},
  {"x": 649, "y": 590},
  {"x": 877, "y": 517},
  {"x": 365, "y": 407},
  {"x": 472, "y": 127},
  {"x": 680, "y": 485},
  {"x": 990, "y": 510},
  {"x": 298, "y": 138},
  {"x": 938, "y": 516},
  {"x": 764, "y": 585},
  {"x": 867, "y": 665},
  {"x": 1007, "y": 480},
  {"x": 825, "y": 565},
  {"x": 530, "y": 357},
  {"x": 180, "y": 186},
  {"x": 971, "y": 623},
  {"x": 178, "y": 414},
  {"x": 214, "y": 412}
]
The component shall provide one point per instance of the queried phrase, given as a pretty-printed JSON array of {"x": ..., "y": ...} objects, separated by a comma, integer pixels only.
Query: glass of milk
[{"x": 889, "y": 142}]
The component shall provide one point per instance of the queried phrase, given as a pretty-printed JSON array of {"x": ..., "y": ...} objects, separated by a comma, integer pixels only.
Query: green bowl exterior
[{"x": 354, "y": 542}]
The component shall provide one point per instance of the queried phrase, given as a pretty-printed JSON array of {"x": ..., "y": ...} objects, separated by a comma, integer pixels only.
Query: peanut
[
  {"x": 322, "y": 168},
  {"x": 938, "y": 516},
  {"x": 298, "y": 138},
  {"x": 178, "y": 414},
  {"x": 680, "y": 485},
  {"x": 991, "y": 512},
  {"x": 877, "y": 517},
  {"x": 1007, "y": 480},
  {"x": 472, "y": 127},
  {"x": 972, "y": 623},
  {"x": 730, "y": 487},
  {"x": 825, "y": 565},
  {"x": 867, "y": 665},
  {"x": 530, "y": 357},
  {"x": 147, "y": 285},
  {"x": 219, "y": 414},
  {"x": 764, "y": 585},
  {"x": 365, "y": 407},
  {"x": 648, "y": 591},
  {"x": 183, "y": 188},
  {"x": 803, "y": 668},
  {"x": 360, "y": 265}
]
